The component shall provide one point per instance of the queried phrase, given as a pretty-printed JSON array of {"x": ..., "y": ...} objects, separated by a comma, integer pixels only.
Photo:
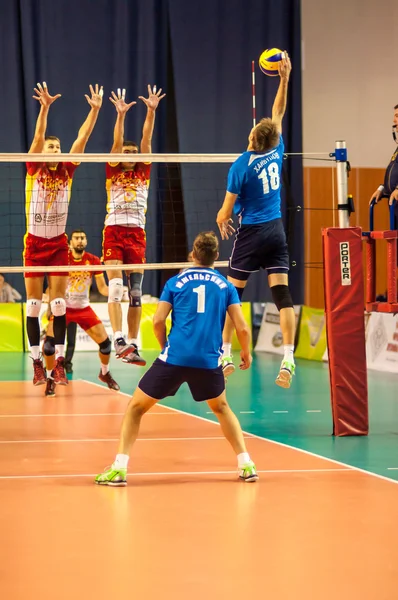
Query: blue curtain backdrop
[{"x": 200, "y": 52}]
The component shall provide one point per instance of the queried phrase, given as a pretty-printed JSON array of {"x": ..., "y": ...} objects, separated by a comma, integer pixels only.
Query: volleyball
[{"x": 269, "y": 61}]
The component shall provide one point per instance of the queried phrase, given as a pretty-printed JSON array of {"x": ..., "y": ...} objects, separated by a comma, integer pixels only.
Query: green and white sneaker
[
  {"x": 228, "y": 366},
  {"x": 285, "y": 374},
  {"x": 248, "y": 472},
  {"x": 112, "y": 476}
]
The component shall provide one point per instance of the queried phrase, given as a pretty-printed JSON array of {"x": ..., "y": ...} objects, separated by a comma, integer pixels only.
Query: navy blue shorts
[
  {"x": 163, "y": 379},
  {"x": 258, "y": 247}
]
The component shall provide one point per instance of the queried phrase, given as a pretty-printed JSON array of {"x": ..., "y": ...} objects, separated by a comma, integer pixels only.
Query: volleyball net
[{"x": 185, "y": 194}]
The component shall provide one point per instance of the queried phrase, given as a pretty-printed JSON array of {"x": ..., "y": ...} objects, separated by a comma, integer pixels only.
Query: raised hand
[
  {"x": 119, "y": 101},
  {"x": 285, "y": 67},
  {"x": 96, "y": 96},
  {"x": 154, "y": 97},
  {"x": 43, "y": 95}
]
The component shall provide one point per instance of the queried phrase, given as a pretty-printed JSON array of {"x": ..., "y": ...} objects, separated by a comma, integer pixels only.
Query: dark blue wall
[{"x": 199, "y": 51}]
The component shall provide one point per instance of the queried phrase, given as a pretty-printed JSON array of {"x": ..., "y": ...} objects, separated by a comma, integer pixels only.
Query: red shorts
[
  {"x": 127, "y": 244},
  {"x": 85, "y": 317},
  {"x": 43, "y": 252}
]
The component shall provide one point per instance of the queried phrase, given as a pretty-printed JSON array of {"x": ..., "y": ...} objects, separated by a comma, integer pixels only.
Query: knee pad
[
  {"x": 33, "y": 308},
  {"x": 115, "y": 293},
  {"x": 135, "y": 288},
  {"x": 58, "y": 307},
  {"x": 240, "y": 291},
  {"x": 49, "y": 346},
  {"x": 281, "y": 296},
  {"x": 105, "y": 347}
]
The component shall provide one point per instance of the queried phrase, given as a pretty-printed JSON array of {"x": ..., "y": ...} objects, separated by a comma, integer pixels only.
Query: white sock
[
  {"x": 121, "y": 461},
  {"x": 289, "y": 350},
  {"x": 104, "y": 369},
  {"x": 35, "y": 351},
  {"x": 118, "y": 335},
  {"x": 243, "y": 459},
  {"x": 227, "y": 349},
  {"x": 49, "y": 374},
  {"x": 59, "y": 350},
  {"x": 133, "y": 341}
]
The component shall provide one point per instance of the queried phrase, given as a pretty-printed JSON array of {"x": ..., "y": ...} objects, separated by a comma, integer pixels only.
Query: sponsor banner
[
  {"x": 11, "y": 338},
  {"x": 146, "y": 338},
  {"x": 382, "y": 342},
  {"x": 270, "y": 335},
  {"x": 312, "y": 334},
  {"x": 345, "y": 263}
]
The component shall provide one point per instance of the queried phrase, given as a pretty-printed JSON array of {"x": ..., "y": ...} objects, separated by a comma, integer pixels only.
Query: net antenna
[{"x": 254, "y": 94}]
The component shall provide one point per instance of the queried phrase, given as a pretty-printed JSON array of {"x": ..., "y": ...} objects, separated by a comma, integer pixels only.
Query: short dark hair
[
  {"x": 77, "y": 231},
  {"x": 205, "y": 248},
  {"x": 130, "y": 143},
  {"x": 52, "y": 137},
  {"x": 265, "y": 135},
  {"x": 395, "y": 107}
]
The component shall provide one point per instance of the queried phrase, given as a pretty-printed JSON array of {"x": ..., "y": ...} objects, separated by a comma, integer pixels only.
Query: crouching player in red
[{"x": 78, "y": 310}]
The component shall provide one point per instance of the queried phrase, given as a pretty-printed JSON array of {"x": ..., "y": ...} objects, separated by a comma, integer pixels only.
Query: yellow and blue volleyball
[{"x": 269, "y": 61}]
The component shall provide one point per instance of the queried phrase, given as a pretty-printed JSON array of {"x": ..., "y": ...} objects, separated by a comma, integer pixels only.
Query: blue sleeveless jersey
[
  {"x": 256, "y": 178},
  {"x": 200, "y": 298}
]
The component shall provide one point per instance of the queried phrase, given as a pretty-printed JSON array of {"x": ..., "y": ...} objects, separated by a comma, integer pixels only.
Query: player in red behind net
[
  {"x": 78, "y": 310},
  {"x": 124, "y": 239},
  {"x": 48, "y": 191}
]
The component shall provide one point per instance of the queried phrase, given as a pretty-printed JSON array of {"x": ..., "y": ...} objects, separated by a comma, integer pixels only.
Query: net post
[
  {"x": 342, "y": 183},
  {"x": 345, "y": 326}
]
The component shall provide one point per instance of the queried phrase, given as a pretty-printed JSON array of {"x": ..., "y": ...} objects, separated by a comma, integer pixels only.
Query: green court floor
[{"x": 299, "y": 417}]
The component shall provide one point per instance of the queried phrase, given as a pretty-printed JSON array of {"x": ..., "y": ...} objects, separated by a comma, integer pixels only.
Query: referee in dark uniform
[{"x": 389, "y": 189}]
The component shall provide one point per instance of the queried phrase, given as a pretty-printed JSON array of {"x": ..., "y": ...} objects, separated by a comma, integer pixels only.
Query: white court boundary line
[
  {"x": 174, "y": 473},
  {"x": 246, "y": 433},
  {"x": 100, "y": 440},
  {"x": 167, "y": 414}
]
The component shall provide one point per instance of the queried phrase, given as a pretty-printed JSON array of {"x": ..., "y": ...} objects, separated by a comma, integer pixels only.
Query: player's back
[
  {"x": 256, "y": 178},
  {"x": 200, "y": 298}
]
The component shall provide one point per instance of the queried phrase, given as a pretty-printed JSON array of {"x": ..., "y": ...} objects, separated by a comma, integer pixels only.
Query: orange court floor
[{"x": 314, "y": 527}]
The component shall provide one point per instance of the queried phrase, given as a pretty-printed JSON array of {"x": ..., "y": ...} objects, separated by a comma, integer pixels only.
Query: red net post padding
[{"x": 345, "y": 325}]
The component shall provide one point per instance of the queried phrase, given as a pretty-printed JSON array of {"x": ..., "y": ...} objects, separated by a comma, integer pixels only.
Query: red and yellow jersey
[
  {"x": 127, "y": 195},
  {"x": 48, "y": 191},
  {"x": 79, "y": 282}
]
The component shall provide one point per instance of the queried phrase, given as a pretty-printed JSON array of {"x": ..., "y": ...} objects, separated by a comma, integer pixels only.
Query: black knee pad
[
  {"x": 240, "y": 291},
  {"x": 134, "y": 281},
  {"x": 105, "y": 347},
  {"x": 281, "y": 296},
  {"x": 49, "y": 346}
]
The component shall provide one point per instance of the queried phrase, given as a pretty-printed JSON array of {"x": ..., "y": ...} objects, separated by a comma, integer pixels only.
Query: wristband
[{"x": 381, "y": 188}]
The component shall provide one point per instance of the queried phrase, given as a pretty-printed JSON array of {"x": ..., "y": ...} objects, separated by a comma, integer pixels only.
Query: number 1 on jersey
[{"x": 201, "y": 290}]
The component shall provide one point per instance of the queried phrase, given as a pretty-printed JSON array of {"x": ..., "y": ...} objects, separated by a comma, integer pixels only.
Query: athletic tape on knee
[
  {"x": 49, "y": 346},
  {"x": 240, "y": 291},
  {"x": 281, "y": 296},
  {"x": 33, "y": 308},
  {"x": 58, "y": 307},
  {"x": 105, "y": 347},
  {"x": 115, "y": 290},
  {"x": 134, "y": 282}
]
